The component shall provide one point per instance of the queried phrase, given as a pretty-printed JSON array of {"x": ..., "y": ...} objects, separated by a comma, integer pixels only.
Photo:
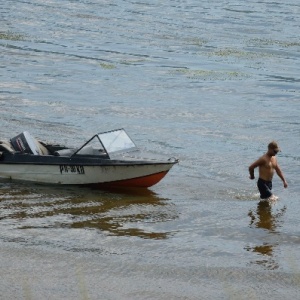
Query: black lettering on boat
[
  {"x": 71, "y": 169},
  {"x": 80, "y": 169}
]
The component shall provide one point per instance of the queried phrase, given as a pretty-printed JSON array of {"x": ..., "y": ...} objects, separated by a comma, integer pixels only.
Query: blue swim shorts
[{"x": 264, "y": 188}]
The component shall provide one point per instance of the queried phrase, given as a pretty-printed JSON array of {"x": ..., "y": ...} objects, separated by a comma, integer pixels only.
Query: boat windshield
[
  {"x": 116, "y": 141},
  {"x": 111, "y": 142}
]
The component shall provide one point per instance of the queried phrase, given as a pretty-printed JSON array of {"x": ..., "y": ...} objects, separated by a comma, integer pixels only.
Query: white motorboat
[{"x": 108, "y": 159}]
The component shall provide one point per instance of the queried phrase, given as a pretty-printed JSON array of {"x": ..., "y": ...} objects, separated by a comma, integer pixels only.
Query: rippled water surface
[{"x": 210, "y": 83}]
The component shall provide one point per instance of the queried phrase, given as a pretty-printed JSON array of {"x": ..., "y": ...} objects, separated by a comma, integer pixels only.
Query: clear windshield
[{"x": 117, "y": 140}]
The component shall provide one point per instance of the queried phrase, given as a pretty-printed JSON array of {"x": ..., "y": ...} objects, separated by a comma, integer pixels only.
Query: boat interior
[{"x": 25, "y": 143}]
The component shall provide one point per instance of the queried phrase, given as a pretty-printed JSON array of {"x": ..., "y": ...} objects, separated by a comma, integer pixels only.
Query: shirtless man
[{"x": 267, "y": 164}]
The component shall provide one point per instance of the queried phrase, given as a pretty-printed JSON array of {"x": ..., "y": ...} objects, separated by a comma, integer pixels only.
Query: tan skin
[{"x": 267, "y": 165}]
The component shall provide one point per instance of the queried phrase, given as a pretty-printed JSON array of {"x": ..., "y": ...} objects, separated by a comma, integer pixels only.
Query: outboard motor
[{"x": 24, "y": 142}]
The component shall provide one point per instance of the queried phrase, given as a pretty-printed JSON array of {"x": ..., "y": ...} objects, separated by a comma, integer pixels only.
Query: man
[{"x": 267, "y": 164}]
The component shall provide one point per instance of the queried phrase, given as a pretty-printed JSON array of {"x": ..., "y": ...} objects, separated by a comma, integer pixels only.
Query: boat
[{"x": 107, "y": 159}]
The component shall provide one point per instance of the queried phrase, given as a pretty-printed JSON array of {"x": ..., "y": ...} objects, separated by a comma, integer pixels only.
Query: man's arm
[
  {"x": 280, "y": 174},
  {"x": 257, "y": 163}
]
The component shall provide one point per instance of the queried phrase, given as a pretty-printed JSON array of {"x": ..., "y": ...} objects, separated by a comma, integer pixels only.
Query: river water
[{"x": 210, "y": 83}]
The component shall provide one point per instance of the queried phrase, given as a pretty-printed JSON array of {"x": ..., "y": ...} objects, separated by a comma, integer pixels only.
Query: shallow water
[{"x": 209, "y": 83}]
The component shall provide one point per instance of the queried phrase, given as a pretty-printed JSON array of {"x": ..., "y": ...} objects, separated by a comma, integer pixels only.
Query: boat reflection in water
[
  {"x": 111, "y": 212},
  {"x": 267, "y": 219}
]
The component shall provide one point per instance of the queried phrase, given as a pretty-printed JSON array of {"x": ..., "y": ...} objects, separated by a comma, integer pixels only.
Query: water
[{"x": 210, "y": 83}]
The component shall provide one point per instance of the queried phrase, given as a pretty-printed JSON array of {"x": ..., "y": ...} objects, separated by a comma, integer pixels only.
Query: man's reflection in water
[{"x": 269, "y": 220}]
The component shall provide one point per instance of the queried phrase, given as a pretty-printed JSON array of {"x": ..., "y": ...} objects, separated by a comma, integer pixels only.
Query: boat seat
[
  {"x": 64, "y": 152},
  {"x": 6, "y": 146},
  {"x": 87, "y": 150},
  {"x": 42, "y": 148}
]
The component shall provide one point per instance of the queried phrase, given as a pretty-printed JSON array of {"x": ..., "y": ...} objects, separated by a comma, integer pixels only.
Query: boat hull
[
  {"x": 97, "y": 176},
  {"x": 107, "y": 159}
]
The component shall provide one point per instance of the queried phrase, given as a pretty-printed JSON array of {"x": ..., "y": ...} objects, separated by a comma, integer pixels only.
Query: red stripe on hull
[{"x": 145, "y": 181}]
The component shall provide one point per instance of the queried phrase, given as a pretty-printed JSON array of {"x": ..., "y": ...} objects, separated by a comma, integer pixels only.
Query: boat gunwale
[{"x": 28, "y": 159}]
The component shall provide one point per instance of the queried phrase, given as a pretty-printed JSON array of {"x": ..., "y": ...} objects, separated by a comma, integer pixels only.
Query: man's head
[{"x": 273, "y": 147}]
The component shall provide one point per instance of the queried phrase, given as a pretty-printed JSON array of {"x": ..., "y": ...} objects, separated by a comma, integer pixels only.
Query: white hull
[{"x": 143, "y": 175}]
